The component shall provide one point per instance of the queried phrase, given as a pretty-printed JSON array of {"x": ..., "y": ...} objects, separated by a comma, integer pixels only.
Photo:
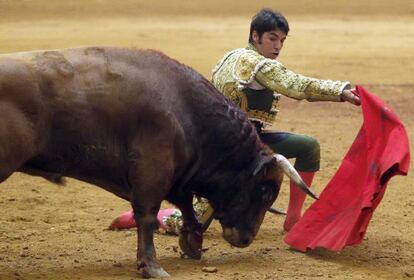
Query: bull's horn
[
  {"x": 293, "y": 174},
  {"x": 277, "y": 211}
]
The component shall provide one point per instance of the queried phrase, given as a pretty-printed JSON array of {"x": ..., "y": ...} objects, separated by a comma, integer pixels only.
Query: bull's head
[{"x": 243, "y": 211}]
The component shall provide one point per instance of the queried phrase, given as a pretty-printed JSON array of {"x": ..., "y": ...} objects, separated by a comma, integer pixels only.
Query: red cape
[{"x": 341, "y": 216}]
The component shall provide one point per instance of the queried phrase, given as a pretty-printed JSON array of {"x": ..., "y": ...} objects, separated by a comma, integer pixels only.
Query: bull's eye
[
  {"x": 242, "y": 199},
  {"x": 267, "y": 193}
]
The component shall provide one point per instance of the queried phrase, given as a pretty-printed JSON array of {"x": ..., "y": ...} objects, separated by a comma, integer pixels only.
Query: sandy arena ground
[{"x": 51, "y": 232}]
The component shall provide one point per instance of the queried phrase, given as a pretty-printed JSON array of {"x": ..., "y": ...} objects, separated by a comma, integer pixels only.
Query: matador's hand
[{"x": 351, "y": 96}]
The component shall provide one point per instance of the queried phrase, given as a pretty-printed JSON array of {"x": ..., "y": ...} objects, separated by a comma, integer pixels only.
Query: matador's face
[{"x": 270, "y": 43}]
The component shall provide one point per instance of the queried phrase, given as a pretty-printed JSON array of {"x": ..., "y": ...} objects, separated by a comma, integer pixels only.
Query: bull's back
[
  {"x": 87, "y": 103},
  {"x": 95, "y": 77}
]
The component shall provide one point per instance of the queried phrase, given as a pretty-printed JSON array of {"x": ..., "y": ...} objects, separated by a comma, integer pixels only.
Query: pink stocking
[
  {"x": 296, "y": 200},
  {"x": 126, "y": 220}
]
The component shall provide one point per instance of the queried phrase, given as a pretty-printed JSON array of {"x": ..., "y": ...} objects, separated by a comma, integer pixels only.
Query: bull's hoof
[
  {"x": 154, "y": 272},
  {"x": 191, "y": 243}
]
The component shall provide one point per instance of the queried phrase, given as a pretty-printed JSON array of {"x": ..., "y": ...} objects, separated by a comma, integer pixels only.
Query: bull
[{"x": 144, "y": 127}]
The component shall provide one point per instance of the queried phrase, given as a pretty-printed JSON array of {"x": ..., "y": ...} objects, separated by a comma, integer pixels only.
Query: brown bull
[{"x": 143, "y": 127}]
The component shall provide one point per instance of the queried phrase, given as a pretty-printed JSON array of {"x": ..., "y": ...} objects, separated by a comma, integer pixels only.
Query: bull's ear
[{"x": 261, "y": 162}]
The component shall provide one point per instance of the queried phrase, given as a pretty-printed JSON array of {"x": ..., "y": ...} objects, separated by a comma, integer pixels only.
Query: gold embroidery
[
  {"x": 240, "y": 67},
  {"x": 263, "y": 116}
]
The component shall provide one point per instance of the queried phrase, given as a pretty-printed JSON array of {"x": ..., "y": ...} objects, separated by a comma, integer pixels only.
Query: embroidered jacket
[{"x": 255, "y": 83}]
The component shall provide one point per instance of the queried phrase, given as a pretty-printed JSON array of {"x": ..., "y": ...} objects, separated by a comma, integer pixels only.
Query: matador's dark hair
[{"x": 267, "y": 20}]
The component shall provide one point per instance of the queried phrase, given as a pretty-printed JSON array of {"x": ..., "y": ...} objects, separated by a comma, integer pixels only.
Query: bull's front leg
[
  {"x": 147, "y": 223},
  {"x": 191, "y": 234},
  {"x": 147, "y": 193}
]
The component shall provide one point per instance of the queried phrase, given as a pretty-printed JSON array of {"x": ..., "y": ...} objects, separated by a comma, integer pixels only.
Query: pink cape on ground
[{"x": 341, "y": 216}]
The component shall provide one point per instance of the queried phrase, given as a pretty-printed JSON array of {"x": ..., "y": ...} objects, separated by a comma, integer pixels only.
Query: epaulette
[{"x": 246, "y": 67}]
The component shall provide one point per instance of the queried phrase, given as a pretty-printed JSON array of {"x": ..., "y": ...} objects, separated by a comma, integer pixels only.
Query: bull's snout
[{"x": 237, "y": 238}]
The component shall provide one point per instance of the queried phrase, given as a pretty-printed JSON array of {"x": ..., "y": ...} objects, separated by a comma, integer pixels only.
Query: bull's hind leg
[{"x": 17, "y": 140}]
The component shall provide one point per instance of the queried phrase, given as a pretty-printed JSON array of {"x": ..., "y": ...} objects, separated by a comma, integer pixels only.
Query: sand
[{"x": 53, "y": 232}]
